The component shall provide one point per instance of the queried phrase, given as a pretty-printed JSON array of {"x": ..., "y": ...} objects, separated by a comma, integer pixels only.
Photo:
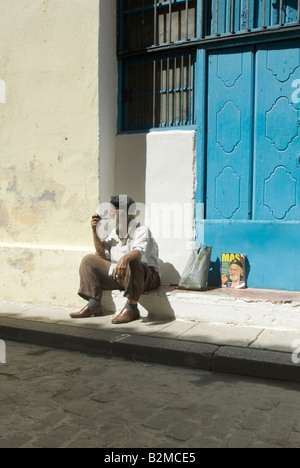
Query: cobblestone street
[{"x": 53, "y": 398}]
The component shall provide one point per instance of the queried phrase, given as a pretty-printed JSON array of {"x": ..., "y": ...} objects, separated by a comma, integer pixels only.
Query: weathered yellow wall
[{"x": 48, "y": 145}]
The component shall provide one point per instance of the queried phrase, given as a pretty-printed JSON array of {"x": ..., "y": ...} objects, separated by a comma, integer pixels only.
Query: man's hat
[{"x": 237, "y": 262}]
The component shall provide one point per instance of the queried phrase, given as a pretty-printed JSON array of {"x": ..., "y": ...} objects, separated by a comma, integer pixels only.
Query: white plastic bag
[{"x": 195, "y": 275}]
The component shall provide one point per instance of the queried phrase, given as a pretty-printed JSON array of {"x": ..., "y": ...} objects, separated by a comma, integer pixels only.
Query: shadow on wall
[
  {"x": 156, "y": 302},
  {"x": 214, "y": 276},
  {"x": 158, "y": 307},
  {"x": 131, "y": 152},
  {"x": 169, "y": 274}
]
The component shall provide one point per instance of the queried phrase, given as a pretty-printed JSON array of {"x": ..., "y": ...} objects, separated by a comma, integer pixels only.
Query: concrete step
[{"x": 274, "y": 309}]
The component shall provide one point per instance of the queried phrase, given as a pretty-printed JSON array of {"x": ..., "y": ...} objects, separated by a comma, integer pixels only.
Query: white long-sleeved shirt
[{"x": 138, "y": 238}]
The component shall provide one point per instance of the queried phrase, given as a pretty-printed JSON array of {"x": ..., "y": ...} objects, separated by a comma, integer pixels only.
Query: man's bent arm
[
  {"x": 100, "y": 249},
  {"x": 134, "y": 255}
]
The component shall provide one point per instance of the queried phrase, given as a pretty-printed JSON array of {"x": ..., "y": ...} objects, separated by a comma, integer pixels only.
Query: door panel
[
  {"x": 253, "y": 161},
  {"x": 230, "y": 127},
  {"x": 277, "y": 134}
]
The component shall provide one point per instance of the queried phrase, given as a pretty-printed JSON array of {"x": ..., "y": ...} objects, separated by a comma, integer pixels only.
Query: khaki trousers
[{"x": 94, "y": 279}]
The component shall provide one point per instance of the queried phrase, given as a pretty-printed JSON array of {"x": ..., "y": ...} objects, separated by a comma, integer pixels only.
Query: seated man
[{"x": 126, "y": 260}]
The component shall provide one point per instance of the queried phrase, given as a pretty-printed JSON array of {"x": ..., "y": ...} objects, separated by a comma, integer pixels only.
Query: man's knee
[
  {"x": 91, "y": 263},
  {"x": 87, "y": 261}
]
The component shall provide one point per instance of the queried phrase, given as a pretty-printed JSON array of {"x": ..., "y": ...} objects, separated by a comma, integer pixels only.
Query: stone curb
[
  {"x": 209, "y": 357},
  {"x": 141, "y": 348},
  {"x": 256, "y": 363}
]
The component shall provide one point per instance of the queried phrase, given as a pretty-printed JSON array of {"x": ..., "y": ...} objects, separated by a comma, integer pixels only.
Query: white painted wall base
[
  {"x": 159, "y": 169},
  {"x": 170, "y": 181}
]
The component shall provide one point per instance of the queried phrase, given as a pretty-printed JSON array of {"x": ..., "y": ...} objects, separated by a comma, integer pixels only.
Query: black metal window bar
[
  {"x": 158, "y": 93},
  {"x": 150, "y": 23},
  {"x": 146, "y": 24},
  {"x": 229, "y": 17},
  {"x": 157, "y": 90}
]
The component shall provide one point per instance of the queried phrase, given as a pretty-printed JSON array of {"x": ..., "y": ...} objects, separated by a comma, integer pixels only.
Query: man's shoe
[
  {"x": 126, "y": 316},
  {"x": 86, "y": 313}
]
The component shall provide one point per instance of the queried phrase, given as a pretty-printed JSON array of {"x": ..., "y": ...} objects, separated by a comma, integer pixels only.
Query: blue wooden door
[
  {"x": 253, "y": 150},
  {"x": 253, "y": 161},
  {"x": 230, "y": 135},
  {"x": 277, "y": 133}
]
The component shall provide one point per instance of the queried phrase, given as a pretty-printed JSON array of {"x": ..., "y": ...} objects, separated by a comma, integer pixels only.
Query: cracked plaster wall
[{"x": 49, "y": 143}]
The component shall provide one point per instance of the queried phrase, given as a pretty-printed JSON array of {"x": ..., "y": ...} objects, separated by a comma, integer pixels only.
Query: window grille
[
  {"x": 148, "y": 23},
  {"x": 229, "y": 17},
  {"x": 158, "y": 93},
  {"x": 158, "y": 90}
]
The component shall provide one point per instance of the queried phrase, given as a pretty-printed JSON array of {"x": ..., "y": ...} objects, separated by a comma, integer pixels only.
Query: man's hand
[
  {"x": 120, "y": 270},
  {"x": 100, "y": 250},
  {"x": 224, "y": 279},
  {"x": 95, "y": 220}
]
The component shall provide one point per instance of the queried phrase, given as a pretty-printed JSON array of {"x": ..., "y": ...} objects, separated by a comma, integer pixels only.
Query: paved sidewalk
[{"x": 247, "y": 350}]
